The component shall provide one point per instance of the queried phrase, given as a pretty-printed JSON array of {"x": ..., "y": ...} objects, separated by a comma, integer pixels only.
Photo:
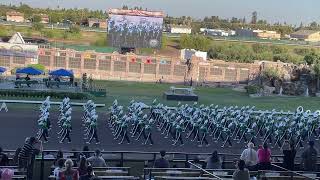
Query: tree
[
  {"x": 36, "y": 19},
  {"x": 37, "y": 26},
  {"x": 254, "y": 17},
  {"x": 311, "y": 58}
]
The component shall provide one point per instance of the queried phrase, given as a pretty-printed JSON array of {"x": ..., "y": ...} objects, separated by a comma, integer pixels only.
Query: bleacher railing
[
  {"x": 150, "y": 157},
  {"x": 204, "y": 170},
  {"x": 292, "y": 173}
]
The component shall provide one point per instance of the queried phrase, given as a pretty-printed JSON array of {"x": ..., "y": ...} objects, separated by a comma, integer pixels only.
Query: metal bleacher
[{"x": 138, "y": 165}]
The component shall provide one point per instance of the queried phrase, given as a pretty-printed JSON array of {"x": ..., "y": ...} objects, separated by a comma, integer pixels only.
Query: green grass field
[{"x": 125, "y": 91}]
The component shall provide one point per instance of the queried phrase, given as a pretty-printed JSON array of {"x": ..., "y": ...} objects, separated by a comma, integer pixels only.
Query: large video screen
[{"x": 127, "y": 31}]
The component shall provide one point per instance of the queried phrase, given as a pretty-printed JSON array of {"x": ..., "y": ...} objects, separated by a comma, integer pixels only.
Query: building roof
[
  {"x": 43, "y": 15},
  {"x": 14, "y": 13},
  {"x": 304, "y": 32}
]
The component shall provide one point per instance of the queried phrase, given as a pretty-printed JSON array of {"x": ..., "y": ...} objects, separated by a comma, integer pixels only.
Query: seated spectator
[
  {"x": 196, "y": 163},
  {"x": 69, "y": 173},
  {"x": 58, "y": 156},
  {"x": 58, "y": 169},
  {"x": 250, "y": 157},
  {"x": 82, "y": 169},
  {"x": 309, "y": 158},
  {"x": 27, "y": 152},
  {"x": 161, "y": 162},
  {"x": 97, "y": 160},
  {"x": 89, "y": 175},
  {"x": 289, "y": 154},
  {"x": 241, "y": 173},
  {"x": 213, "y": 162},
  {"x": 264, "y": 158},
  {"x": 4, "y": 160},
  {"x": 27, "y": 78}
]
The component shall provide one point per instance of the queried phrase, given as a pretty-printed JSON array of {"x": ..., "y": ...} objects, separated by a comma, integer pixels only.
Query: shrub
[
  {"x": 271, "y": 73},
  {"x": 37, "y": 26},
  {"x": 53, "y": 94},
  {"x": 253, "y": 89}
]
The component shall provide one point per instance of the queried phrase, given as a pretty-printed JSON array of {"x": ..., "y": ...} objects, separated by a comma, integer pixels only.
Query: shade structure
[
  {"x": 2, "y": 69},
  {"x": 30, "y": 71},
  {"x": 61, "y": 72}
]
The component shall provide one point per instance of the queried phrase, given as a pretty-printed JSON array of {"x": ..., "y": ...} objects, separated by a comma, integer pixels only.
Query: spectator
[
  {"x": 213, "y": 162},
  {"x": 27, "y": 78},
  {"x": 71, "y": 80},
  {"x": 16, "y": 155},
  {"x": 196, "y": 163},
  {"x": 69, "y": 173},
  {"x": 76, "y": 156},
  {"x": 4, "y": 160},
  {"x": 250, "y": 157},
  {"x": 161, "y": 162},
  {"x": 58, "y": 156},
  {"x": 58, "y": 169},
  {"x": 89, "y": 175},
  {"x": 27, "y": 152},
  {"x": 97, "y": 160},
  {"x": 264, "y": 158},
  {"x": 82, "y": 169},
  {"x": 241, "y": 173},
  {"x": 289, "y": 153},
  {"x": 85, "y": 152},
  {"x": 17, "y": 76},
  {"x": 309, "y": 158}
]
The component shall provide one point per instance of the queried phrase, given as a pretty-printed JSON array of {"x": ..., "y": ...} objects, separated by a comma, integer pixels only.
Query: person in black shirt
[
  {"x": 289, "y": 153},
  {"x": 89, "y": 175},
  {"x": 161, "y": 162},
  {"x": 4, "y": 160}
]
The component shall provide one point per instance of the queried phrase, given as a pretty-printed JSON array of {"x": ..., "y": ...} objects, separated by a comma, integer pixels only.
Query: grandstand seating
[{"x": 138, "y": 169}]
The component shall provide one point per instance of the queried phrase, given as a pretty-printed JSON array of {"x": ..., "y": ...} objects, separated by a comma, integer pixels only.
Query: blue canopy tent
[
  {"x": 29, "y": 71},
  {"x": 2, "y": 70},
  {"x": 61, "y": 72}
]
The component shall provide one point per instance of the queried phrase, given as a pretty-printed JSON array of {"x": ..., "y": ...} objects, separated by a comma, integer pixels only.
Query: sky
[{"x": 290, "y": 11}]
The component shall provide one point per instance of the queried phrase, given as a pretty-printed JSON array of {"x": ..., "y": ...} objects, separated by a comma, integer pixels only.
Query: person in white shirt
[{"x": 250, "y": 157}]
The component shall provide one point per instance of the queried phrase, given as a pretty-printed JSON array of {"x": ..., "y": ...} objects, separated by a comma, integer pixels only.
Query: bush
[
  {"x": 37, "y": 26},
  {"x": 53, "y": 94},
  {"x": 271, "y": 73},
  {"x": 253, "y": 89}
]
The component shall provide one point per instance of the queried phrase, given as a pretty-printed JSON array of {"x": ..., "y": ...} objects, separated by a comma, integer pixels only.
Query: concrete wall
[{"x": 131, "y": 67}]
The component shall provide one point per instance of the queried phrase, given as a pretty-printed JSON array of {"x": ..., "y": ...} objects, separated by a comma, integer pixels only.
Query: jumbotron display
[{"x": 135, "y": 28}]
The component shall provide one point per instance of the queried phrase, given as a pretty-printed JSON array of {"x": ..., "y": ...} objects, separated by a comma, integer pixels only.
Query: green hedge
[
  {"x": 41, "y": 94},
  {"x": 253, "y": 89}
]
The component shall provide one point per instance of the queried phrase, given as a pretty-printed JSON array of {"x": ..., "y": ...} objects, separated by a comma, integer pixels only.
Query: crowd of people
[{"x": 80, "y": 165}]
